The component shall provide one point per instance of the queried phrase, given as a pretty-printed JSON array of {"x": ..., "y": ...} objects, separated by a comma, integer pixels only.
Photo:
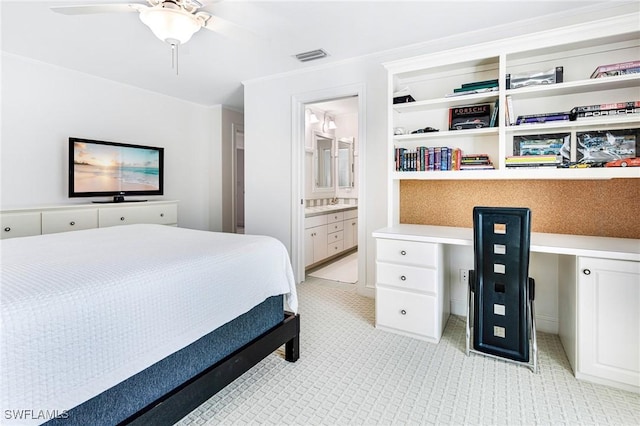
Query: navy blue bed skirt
[{"x": 132, "y": 395}]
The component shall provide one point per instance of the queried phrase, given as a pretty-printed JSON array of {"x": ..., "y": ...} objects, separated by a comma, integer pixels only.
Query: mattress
[{"x": 84, "y": 310}]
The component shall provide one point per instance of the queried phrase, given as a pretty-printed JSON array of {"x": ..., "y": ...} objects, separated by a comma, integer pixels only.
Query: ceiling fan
[{"x": 172, "y": 21}]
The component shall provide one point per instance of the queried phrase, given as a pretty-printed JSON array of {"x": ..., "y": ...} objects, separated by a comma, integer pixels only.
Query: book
[
  {"x": 510, "y": 113},
  {"x": 614, "y": 67},
  {"x": 486, "y": 83},
  {"x": 469, "y": 116},
  {"x": 494, "y": 114},
  {"x": 617, "y": 108}
]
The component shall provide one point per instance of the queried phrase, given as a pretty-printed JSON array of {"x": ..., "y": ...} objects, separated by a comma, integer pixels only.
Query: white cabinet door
[
  {"x": 315, "y": 244},
  {"x": 609, "y": 320},
  {"x": 350, "y": 233}
]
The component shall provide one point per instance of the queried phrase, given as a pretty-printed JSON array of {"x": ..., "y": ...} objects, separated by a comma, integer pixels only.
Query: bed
[{"x": 137, "y": 324}]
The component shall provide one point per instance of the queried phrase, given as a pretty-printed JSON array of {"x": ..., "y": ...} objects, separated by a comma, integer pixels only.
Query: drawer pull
[
  {"x": 403, "y": 312},
  {"x": 72, "y": 223},
  {"x": 404, "y": 253},
  {"x": 7, "y": 229},
  {"x": 586, "y": 271},
  {"x": 161, "y": 214},
  {"x": 403, "y": 278},
  {"x": 122, "y": 218}
]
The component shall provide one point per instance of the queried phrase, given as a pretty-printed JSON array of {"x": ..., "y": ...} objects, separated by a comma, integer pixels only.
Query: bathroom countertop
[{"x": 319, "y": 210}]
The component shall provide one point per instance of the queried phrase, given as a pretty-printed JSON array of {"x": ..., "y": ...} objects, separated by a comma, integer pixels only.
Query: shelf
[
  {"x": 523, "y": 173},
  {"x": 603, "y": 122},
  {"x": 475, "y": 98},
  {"x": 575, "y": 87},
  {"x": 486, "y": 131}
]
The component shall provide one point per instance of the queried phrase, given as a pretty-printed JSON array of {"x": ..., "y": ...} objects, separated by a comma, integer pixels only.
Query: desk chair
[{"x": 501, "y": 294}]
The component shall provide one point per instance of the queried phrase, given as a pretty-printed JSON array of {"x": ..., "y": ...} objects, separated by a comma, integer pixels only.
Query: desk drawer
[
  {"x": 408, "y": 252},
  {"x": 409, "y": 277},
  {"x": 406, "y": 311}
]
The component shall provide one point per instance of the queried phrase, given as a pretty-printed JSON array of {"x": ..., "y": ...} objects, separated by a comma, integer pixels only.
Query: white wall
[{"x": 43, "y": 105}]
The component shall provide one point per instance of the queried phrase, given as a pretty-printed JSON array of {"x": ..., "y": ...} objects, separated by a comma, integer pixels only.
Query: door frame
[
  {"x": 235, "y": 129},
  {"x": 298, "y": 104}
]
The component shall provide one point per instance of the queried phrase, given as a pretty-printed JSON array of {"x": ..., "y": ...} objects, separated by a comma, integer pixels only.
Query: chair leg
[
  {"x": 469, "y": 313},
  {"x": 534, "y": 341}
]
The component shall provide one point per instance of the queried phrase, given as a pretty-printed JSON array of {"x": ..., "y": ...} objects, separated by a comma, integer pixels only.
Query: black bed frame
[{"x": 173, "y": 406}]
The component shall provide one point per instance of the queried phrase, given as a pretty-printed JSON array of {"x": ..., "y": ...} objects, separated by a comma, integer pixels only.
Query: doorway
[
  {"x": 238, "y": 178},
  {"x": 331, "y": 189}
]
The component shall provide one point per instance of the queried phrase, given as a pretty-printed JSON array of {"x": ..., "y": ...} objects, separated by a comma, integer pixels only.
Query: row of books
[{"x": 444, "y": 158}]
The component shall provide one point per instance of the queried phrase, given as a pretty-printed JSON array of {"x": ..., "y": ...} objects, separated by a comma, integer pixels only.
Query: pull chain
[{"x": 174, "y": 53}]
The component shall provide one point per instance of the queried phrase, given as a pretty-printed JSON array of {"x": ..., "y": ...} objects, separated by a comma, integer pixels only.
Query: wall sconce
[
  {"x": 328, "y": 123},
  {"x": 313, "y": 118}
]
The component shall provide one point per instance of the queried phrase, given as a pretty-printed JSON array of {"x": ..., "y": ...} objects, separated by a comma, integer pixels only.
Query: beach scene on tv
[{"x": 99, "y": 168}]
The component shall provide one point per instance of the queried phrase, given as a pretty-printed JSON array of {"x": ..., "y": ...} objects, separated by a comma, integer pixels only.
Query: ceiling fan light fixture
[{"x": 171, "y": 24}]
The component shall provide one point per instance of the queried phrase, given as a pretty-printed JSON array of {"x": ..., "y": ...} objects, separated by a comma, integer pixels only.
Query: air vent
[{"x": 311, "y": 55}]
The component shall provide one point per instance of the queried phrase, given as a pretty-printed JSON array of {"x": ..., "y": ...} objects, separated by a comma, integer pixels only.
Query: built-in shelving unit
[{"x": 579, "y": 49}]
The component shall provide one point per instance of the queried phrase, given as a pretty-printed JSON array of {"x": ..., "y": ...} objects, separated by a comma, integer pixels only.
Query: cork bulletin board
[{"x": 608, "y": 208}]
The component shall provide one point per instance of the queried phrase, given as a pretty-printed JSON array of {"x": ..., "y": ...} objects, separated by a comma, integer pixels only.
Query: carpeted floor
[{"x": 350, "y": 373}]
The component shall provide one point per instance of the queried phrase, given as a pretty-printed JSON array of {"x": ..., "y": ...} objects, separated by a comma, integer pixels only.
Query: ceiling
[{"x": 119, "y": 47}]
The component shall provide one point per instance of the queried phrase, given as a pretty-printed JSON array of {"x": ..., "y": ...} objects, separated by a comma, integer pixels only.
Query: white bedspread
[{"x": 84, "y": 310}]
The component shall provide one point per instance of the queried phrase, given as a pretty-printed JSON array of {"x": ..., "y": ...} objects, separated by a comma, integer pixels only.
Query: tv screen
[{"x": 98, "y": 168}]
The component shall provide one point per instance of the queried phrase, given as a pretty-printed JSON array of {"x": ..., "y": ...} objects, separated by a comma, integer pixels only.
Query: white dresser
[
  {"x": 49, "y": 220},
  {"x": 411, "y": 298}
]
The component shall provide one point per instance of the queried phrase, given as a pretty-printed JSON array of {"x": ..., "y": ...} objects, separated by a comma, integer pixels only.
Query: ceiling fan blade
[
  {"x": 231, "y": 30},
  {"x": 98, "y": 8}
]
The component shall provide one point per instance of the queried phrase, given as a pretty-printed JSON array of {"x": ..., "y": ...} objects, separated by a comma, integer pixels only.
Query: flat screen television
[{"x": 99, "y": 168}]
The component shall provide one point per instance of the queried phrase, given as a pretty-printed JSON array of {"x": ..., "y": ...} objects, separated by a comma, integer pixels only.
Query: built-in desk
[{"x": 598, "y": 294}]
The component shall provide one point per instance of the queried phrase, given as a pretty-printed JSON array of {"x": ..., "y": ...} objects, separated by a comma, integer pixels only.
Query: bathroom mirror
[
  {"x": 345, "y": 163},
  {"x": 323, "y": 164}
]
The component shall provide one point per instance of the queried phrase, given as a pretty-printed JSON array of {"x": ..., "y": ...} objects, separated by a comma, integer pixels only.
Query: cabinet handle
[
  {"x": 403, "y": 252},
  {"x": 403, "y": 278},
  {"x": 403, "y": 312},
  {"x": 7, "y": 229},
  {"x": 586, "y": 271},
  {"x": 72, "y": 223},
  {"x": 161, "y": 214},
  {"x": 122, "y": 218}
]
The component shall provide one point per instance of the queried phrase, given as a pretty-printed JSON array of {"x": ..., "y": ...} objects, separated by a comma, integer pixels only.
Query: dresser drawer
[
  {"x": 408, "y": 252},
  {"x": 20, "y": 224},
  {"x": 164, "y": 214},
  {"x": 407, "y": 312},
  {"x": 335, "y": 247},
  {"x": 62, "y": 221},
  {"x": 408, "y": 277},
  {"x": 335, "y": 217}
]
